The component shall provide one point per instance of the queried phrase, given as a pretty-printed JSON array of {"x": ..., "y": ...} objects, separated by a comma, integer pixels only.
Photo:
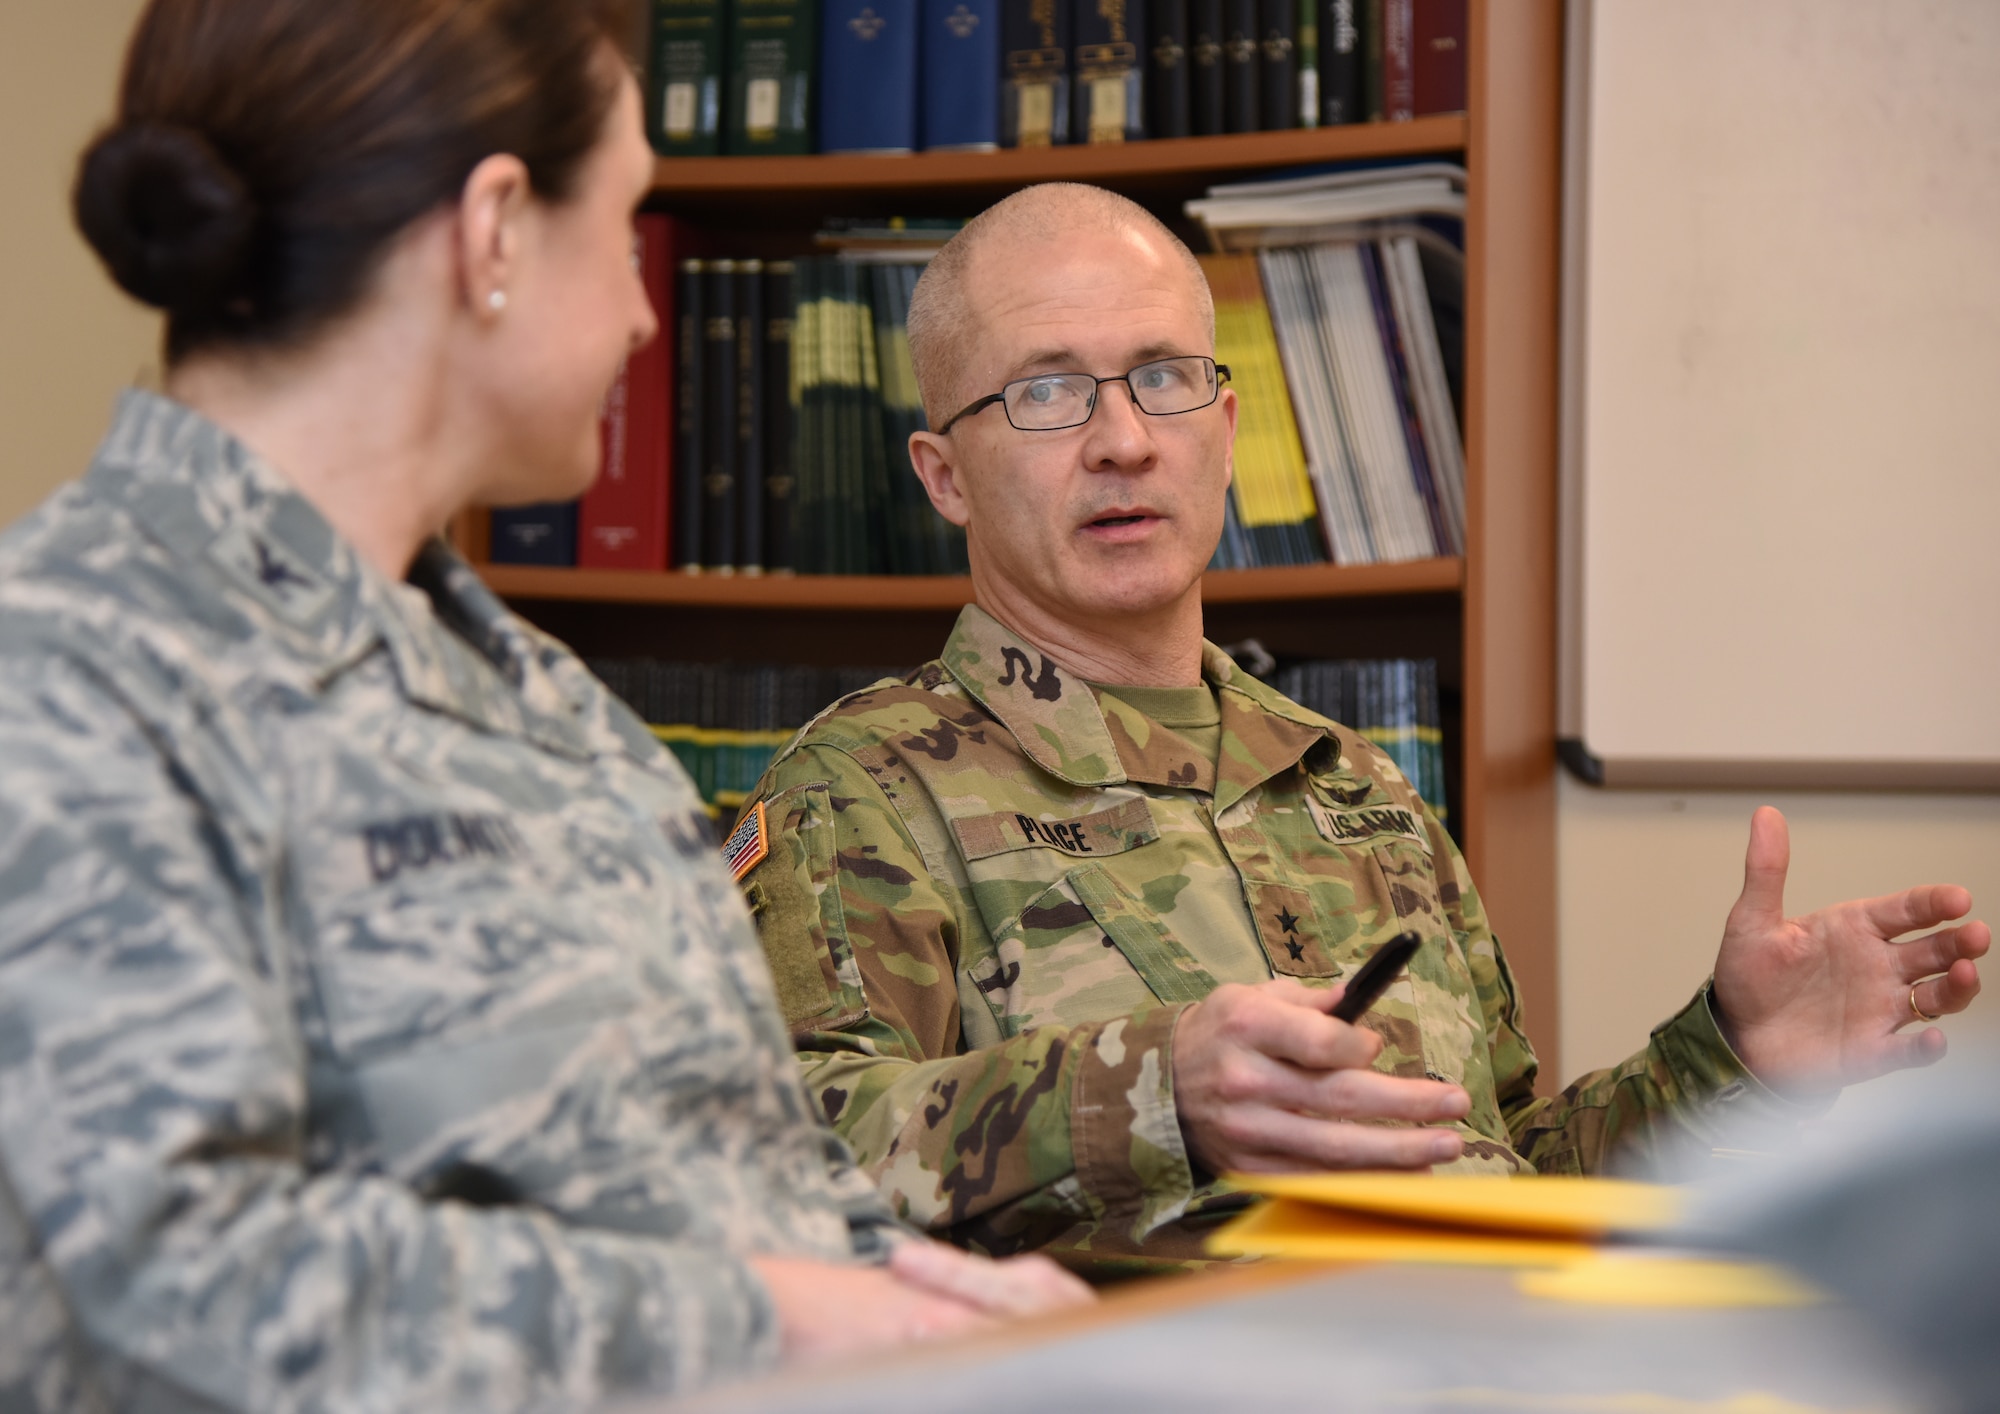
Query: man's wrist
[
  {"x": 1125, "y": 1133},
  {"x": 1707, "y": 1070}
]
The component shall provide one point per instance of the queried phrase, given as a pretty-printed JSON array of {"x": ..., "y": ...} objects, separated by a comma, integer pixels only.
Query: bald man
[{"x": 1058, "y": 921}]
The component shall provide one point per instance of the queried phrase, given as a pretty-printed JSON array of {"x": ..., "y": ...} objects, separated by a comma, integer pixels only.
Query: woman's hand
[{"x": 927, "y": 1291}]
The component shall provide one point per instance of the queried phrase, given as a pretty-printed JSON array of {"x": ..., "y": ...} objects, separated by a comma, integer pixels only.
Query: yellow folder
[
  {"x": 1551, "y": 1226},
  {"x": 1447, "y": 1218}
]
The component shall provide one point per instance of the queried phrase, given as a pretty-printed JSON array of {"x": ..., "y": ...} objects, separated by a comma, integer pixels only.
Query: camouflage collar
[
  {"x": 1055, "y": 717},
  {"x": 1061, "y": 726},
  {"x": 213, "y": 503},
  {"x": 222, "y": 510},
  {"x": 1263, "y": 731}
]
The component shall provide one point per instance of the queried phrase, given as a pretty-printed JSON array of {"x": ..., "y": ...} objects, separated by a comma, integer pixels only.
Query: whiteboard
[{"x": 1781, "y": 385}]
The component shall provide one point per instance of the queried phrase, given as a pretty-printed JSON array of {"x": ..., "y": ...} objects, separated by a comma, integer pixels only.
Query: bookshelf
[
  {"x": 705, "y": 183},
  {"x": 822, "y": 593},
  {"x": 1489, "y": 619}
]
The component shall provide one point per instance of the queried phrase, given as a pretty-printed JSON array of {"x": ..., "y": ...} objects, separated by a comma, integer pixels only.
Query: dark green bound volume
[
  {"x": 770, "y": 76},
  {"x": 812, "y": 425},
  {"x": 1278, "y": 64},
  {"x": 719, "y": 436},
  {"x": 750, "y": 426},
  {"x": 1205, "y": 67},
  {"x": 684, "y": 79},
  {"x": 690, "y": 364},
  {"x": 1167, "y": 79},
  {"x": 778, "y": 395},
  {"x": 1034, "y": 80},
  {"x": 1242, "y": 106},
  {"x": 1108, "y": 94},
  {"x": 1308, "y": 13}
]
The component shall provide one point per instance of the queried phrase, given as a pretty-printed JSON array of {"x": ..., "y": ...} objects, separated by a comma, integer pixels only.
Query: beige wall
[
  {"x": 1645, "y": 879},
  {"x": 68, "y": 338}
]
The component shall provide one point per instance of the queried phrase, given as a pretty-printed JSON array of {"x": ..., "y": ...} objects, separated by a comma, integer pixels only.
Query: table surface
[{"x": 1299, "y": 1336}]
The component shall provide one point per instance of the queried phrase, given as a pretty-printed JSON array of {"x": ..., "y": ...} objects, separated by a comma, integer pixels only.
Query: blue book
[
  {"x": 534, "y": 535},
  {"x": 961, "y": 75},
  {"x": 868, "y": 76}
]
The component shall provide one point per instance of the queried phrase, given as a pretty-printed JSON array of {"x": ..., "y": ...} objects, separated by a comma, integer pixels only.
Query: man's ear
[
  {"x": 1229, "y": 410},
  {"x": 492, "y": 212},
  {"x": 936, "y": 463}
]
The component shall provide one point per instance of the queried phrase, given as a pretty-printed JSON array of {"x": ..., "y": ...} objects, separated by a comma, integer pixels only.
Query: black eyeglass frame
[{"x": 1221, "y": 377}]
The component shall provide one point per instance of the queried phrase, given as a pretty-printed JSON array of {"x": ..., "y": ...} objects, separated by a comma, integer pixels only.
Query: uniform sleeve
[
  {"x": 1062, "y": 1136},
  {"x": 154, "y": 1136},
  {"x": 1685, "y": 1090}
]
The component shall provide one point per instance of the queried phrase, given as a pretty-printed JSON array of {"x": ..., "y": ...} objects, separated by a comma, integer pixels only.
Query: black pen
[{"x": 1384, "y": 966}]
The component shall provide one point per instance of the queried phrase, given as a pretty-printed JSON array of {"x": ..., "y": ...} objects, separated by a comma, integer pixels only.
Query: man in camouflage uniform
[
  {"x": 1055, "y": 920},
  {"x": 378, "y": 1028}
]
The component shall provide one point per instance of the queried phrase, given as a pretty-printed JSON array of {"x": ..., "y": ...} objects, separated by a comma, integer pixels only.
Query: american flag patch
[{"x": 747, "y": 844}]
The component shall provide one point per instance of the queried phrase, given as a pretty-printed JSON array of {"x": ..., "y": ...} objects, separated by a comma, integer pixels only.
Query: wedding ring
[{"x": 1922, "y": 1015}]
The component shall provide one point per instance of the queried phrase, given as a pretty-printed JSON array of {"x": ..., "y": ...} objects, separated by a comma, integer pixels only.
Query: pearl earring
[{"x": 497, "y": 301}]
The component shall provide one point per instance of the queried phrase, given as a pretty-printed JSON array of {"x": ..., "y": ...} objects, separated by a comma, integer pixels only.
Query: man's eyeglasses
[{"x": 1050, "y": 402}]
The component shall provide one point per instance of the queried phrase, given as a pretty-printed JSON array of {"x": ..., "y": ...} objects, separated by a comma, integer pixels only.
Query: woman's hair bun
[{"x": 171, "y": 219}]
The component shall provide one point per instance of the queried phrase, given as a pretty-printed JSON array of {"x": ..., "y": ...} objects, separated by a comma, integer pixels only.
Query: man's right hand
[{"x": 1267, "y": 1082}]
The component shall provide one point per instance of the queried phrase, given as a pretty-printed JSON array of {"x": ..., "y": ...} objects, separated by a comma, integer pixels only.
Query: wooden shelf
[
  {"x": 827, "y": 593},
  {"x": 1194, "y": 162}
]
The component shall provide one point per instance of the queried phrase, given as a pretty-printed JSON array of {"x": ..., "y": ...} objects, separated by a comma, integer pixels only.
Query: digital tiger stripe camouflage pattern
[{"x": 379, "y": 1027}]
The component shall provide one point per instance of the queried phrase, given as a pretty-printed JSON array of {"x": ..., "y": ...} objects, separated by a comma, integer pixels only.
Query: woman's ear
[
  {"x": 493, "y": 209},
  {"x": 936, "y": 466}
]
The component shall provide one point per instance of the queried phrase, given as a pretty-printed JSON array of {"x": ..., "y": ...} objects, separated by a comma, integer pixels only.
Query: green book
[
  {"x": 926, "y": 534},
  {"x": 851, "y": 497},
  {"x": 684, "y": 78},
  {"x": 770, "y": 76},
  {"x": 1308, "y": 51},
  {"x": 906, "y": 551},
  {"x": 811, "y": 432},
  {"x": 885, "y": 532}
]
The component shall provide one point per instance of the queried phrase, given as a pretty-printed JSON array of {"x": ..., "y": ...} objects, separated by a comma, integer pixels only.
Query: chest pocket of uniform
[
  {"x": 1295, "y": 941},
  {"x": 1082, "y": 950},
  {"x": 1430, "y": 1019}
]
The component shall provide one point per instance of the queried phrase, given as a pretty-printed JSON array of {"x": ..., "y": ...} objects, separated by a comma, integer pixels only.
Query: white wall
[{"x": 69, "y": 339}]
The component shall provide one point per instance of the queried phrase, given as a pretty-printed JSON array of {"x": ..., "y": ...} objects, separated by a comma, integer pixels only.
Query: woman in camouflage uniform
[{"x": 377, "y": 1024}]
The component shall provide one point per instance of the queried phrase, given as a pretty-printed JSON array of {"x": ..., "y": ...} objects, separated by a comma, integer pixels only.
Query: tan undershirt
[{"x": 1190, "y": 713}]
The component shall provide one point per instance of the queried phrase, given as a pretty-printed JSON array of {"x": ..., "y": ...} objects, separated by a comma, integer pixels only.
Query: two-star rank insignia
[
  {"x": 1289, "y": 921},
  {"x": 747, "y": 844}
]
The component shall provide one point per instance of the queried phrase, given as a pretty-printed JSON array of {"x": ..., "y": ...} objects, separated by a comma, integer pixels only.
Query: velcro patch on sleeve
[
  {"x": 1368, "y": 822},
  {"x": 1122, "y": 827},
  {"x": 748, "y": 843}
]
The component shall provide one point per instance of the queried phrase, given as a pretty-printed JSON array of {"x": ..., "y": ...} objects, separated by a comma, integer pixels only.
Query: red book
[
  {"x": 1398, "y": 94},
  {"x": 622, "y": 524},
  {"x": 1437, "y": 55}
]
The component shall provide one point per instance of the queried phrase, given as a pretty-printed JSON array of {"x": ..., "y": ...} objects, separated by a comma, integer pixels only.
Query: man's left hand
[{"x": 1814, "y": 1003}]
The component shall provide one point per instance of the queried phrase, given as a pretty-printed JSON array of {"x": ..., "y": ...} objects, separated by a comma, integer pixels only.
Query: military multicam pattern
[
  {"x": 378, "y": 1028},
  {"x": 992, "y": 892}
]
